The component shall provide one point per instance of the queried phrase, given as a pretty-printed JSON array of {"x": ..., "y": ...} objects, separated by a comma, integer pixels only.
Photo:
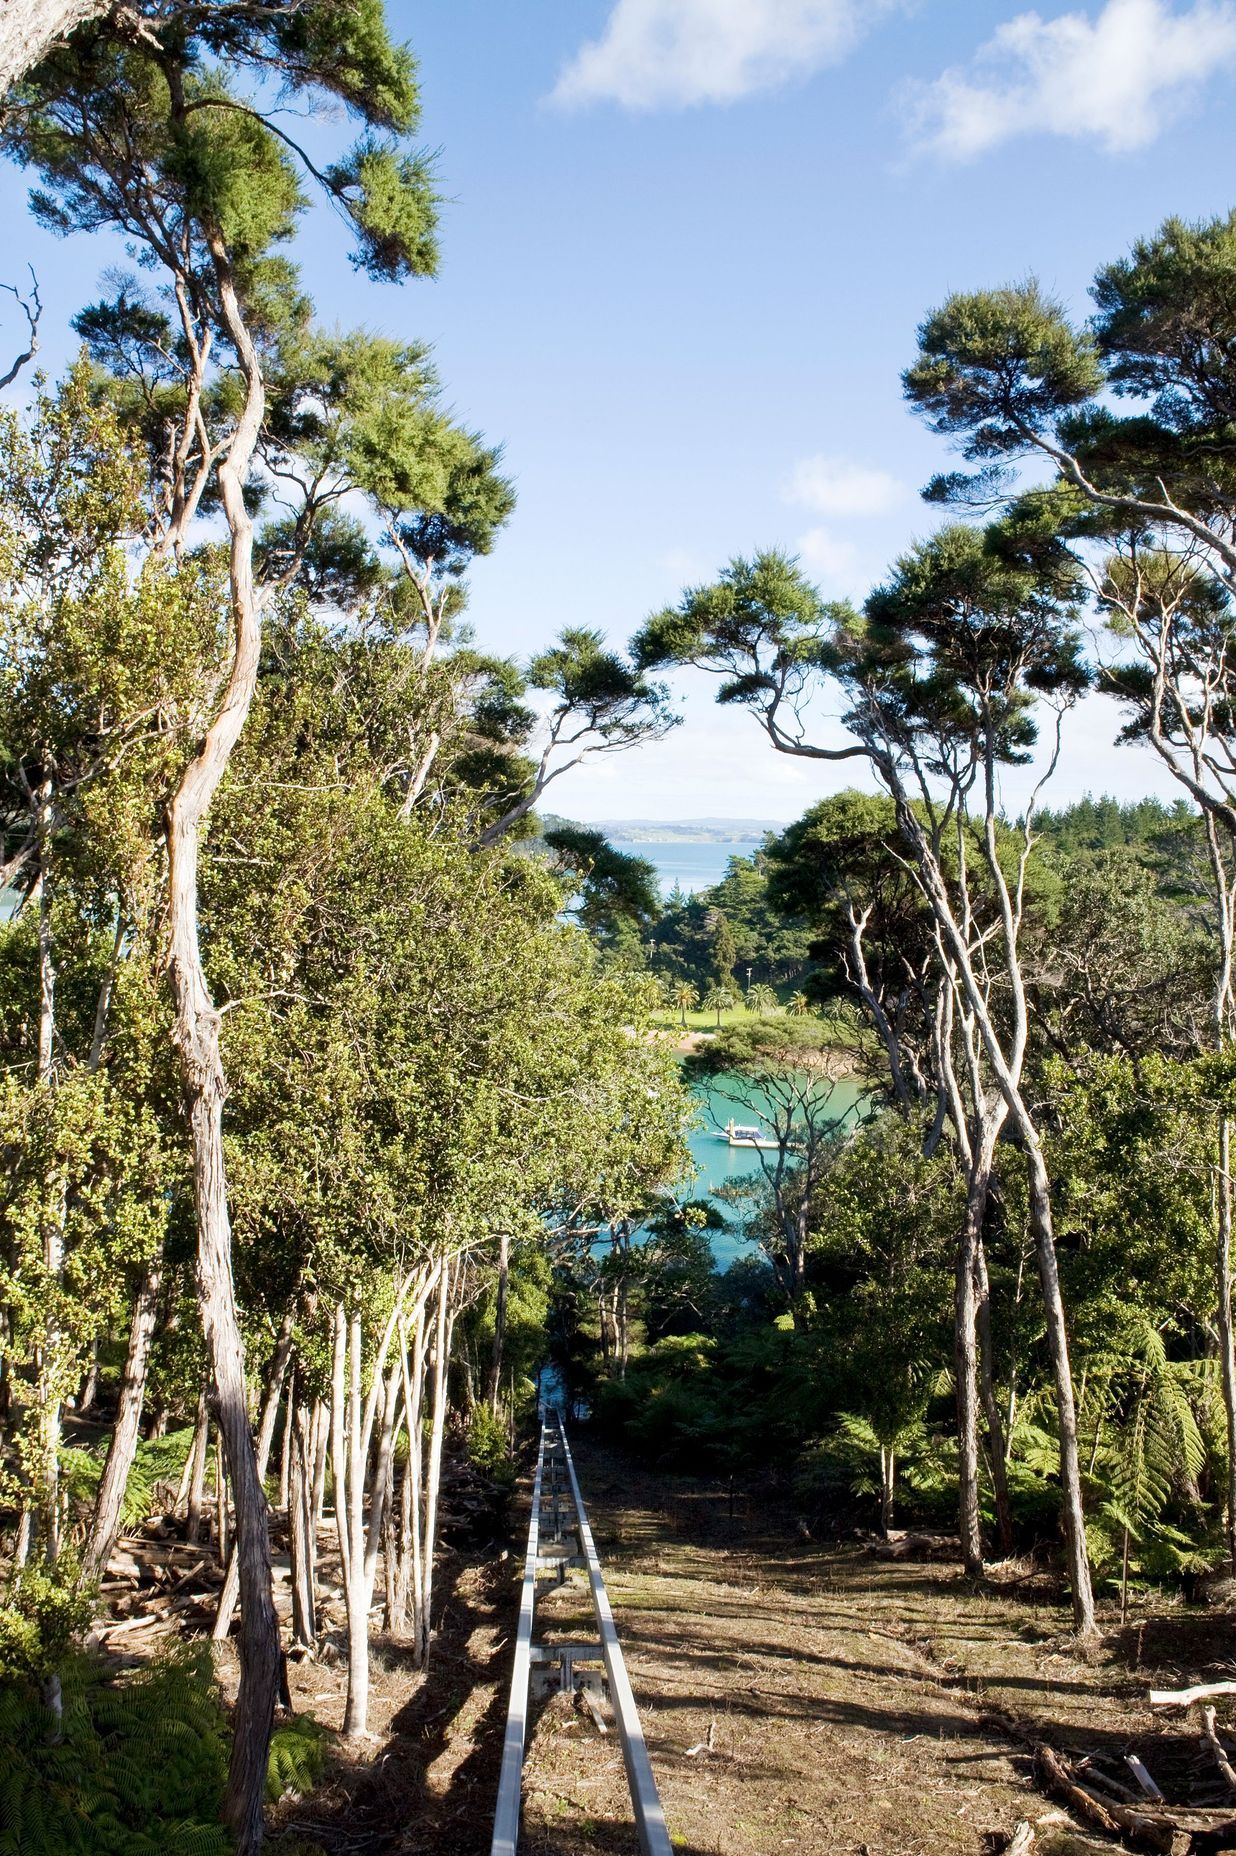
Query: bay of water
[
  {"x": 691, "y": 866},
  {"x": 717, "y": 1163}
]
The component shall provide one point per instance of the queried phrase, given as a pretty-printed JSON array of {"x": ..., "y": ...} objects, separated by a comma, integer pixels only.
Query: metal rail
[{"x": 554, "y": 1457}]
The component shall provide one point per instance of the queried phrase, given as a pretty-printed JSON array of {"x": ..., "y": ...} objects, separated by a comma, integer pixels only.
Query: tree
[
  {"x": 720, "y": 999},
  {"x": 782, "y": 1073},
  {"x": 724, "y": 948},
  {"x": 686, "y": 998},
  {"x": 941, "y": 673},
  {"x": 615, "y": 896},
  {"x": 601, "y": 703},
  {"x": 1006, "y": 375},
  {"x": 761, "y": 999},
  {"x": 137, "y": 132}
]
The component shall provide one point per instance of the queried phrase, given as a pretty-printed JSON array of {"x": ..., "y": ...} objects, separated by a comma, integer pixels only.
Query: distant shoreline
[{"x": 688, "y": 831}]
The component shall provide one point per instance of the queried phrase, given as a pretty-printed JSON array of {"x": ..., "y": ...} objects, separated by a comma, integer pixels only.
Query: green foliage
[
  {"x": 138, "y": 1769},
  {"x": 489, "y": 1445},
  {"x": 297, "y": 1749},
  {"x": 42, "y": 1610}
]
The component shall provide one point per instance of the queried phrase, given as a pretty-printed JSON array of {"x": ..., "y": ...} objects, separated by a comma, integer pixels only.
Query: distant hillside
[{"x": 687, "y": 830}]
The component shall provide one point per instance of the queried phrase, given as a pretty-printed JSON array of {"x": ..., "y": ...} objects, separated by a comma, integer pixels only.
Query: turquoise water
[
  {"x": 691, "y": 866},
  {"x": 717, "y": 1162}
]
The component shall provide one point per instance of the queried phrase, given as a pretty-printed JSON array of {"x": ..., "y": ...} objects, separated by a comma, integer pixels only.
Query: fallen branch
[
  {"x": 1143, "y": 1778},
  {"x": 1184, "y": 1697},
  {"x": 1211, "y": 1734},
  {"x": 1154, "y": 1834}
]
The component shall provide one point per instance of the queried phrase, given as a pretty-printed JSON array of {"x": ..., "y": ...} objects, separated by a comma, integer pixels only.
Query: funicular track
[{"x": 559, "y": 1537}]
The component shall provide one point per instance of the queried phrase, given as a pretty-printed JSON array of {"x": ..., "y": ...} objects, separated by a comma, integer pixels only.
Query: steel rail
[
  {"x": 649, "y": 1817},
  {"x": 510, "y": 1783},
  {"x": 646, "y": 1804}
]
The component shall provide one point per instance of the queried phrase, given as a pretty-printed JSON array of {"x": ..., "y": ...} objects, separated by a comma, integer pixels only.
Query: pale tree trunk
[
  {"x": 48, "y": 1390},
  {"x": 1005, "y": 1061},
  {"x": 433, "y": 1475},
  {"x": 970, "y": 1286},
  {"x": 888, "y": 1485},
  {"x": 1058, "y": 1349},
  {"x": 302, "y": 1534},
  {"x": 965, "y": 1348},
  {"x": 196, "y": 1036},
  {"x": 409, "y": 1581},
  {"x": 504, "y": 1279},
  {"x": 359, "y": 1470},
  {"x": 90, "y": 1385},
  {"x": 122, "y": 1450},
  {"x": 1223, "y": 1298},
  {"x": 221, "y": 1516},
  {"x": 321, "y": 1453},
  {"x": 29, "y": 29},
  {"x": 285, "y": 1463},
  {"x": 977, "y": 1133},
  {"x": 265, "y": 1437},
  {"x": 197, "y": 1471},
  {"x": 996, "y": 1443},
  {"x": 1225, "y": 902}
]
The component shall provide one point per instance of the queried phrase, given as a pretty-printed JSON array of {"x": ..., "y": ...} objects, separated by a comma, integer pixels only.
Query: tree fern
[{"x": 296, "y": 1752}]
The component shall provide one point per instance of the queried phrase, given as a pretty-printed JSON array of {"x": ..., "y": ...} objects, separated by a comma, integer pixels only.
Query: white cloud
[
  {"x": 659, "y": 54},
  {"x": 1117, "y": 78},
  {"x": 833, "y": 486},
  {"x": 833, "y": 561}
]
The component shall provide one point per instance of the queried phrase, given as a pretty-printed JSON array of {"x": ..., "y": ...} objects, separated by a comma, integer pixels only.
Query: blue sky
[{"x": 687, "y": 245}]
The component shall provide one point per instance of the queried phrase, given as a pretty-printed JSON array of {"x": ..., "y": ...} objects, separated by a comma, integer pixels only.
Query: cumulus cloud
[
  {"x": 834, "y": 486},
  {"x": 663, "y": 54},
  {"x": 834, "y": 562},
  {"x": 1117, "y": 78}
]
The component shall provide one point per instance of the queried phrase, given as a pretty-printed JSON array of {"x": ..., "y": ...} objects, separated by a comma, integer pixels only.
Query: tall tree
[
  {"x": 139, "y": 131},
  {"x": 941, "y": 674},
  {"x": 1007, "y": 376}
]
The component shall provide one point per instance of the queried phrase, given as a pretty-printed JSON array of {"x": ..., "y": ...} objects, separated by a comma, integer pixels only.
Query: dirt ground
[{"x": 858, "y": 1705}]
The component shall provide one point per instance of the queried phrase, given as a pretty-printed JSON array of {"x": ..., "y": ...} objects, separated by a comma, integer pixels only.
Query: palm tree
[
  {"x": 761, "y": 999},
  {"x": 719, "y": 999},
  {"x": 800, "y": 1005},
  {"x": 686, "y": 999}
]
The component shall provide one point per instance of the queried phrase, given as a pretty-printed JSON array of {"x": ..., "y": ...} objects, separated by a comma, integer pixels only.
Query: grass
[{"x": 670, "y": 1018}]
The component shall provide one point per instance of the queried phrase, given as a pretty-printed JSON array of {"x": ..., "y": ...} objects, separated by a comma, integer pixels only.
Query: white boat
[{"x": 738, "y": 1136}]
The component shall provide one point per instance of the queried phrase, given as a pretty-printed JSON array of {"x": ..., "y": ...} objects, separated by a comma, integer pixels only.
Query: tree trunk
[
  {"x": 197, "y": 1467},
  {"x": 996, "y": 1443},
  {"x": 266, "y": 1432},
  {"x": 29, "y": 29},
  {"x": 301, "y": 1532},
  {"x": 888, "y": 1484},
  {"x": 1058, "y": 1348},
  {"x": 122, "y": 1450},
  {"x": 196, "y": 1037},
  {"x": 1223, "y": 1297},
  {"x": 433, "y": 1476},
  {"x": 352, "y": 1430},
  {"x": 221, "y": 1523},
  {"x": 412, "y": 1548},
  {"x": 90, "y": 1385},
  {"x": 966, "y": 1335},
  {"x": 965, "y": 1351},
  {"x": 504, "y": 1279}
]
